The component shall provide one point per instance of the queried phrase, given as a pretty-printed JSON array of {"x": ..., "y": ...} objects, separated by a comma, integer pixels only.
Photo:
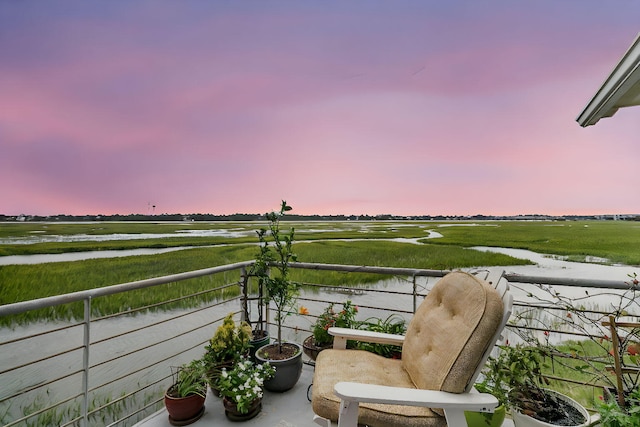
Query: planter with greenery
[
  {"x": 242, "y": 388},
  {"x": 229, "y": 343},
  {"x": 259, "y": 270},
  {"x": 185, "y": 398},
  {"x": 320, "y": 339},
  {"x": 272, "y": 265},
  {"x": 519, "y": 367},
  {"x": 610, "y": 354},
  {"x": 393, "y": 324},
  {"x": 494, "y": 381},
  {"x": 613, "y": 415}
]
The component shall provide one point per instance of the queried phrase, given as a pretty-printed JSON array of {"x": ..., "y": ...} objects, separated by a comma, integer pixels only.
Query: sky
[{"x": 338, "y": 107}]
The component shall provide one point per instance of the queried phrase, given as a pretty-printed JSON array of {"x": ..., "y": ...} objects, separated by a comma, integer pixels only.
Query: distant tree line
[{"x": 294, "y": 217}]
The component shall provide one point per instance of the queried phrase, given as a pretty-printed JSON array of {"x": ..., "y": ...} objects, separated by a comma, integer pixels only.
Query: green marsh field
[
  {"x": 431, "y": 245},
  {"x": 410, "y": 244}
]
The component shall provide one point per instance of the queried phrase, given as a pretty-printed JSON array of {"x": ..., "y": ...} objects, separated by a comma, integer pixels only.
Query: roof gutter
[{"x": 620, "y": 89}]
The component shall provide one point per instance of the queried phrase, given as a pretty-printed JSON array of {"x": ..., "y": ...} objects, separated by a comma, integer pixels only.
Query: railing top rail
[
  {"x": 568, "y": 281},
  {"x": 23, "y": 306},
  {"x": 367, "y": 269}
]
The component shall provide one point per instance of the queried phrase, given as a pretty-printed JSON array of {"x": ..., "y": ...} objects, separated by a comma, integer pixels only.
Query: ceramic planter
[
  {"x": 312, "y": 350},
  {"x": 288, "y": 370},
  {"x": 256, "y": 343},
  {"x": 184, "y": 410},
  {"x": 486, "y": 419},
  {"x": 522, "y": 420},
  {"x": 231, "y": 410}
]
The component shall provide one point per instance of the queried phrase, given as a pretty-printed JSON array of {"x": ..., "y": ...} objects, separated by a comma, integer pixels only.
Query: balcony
[{"x": 113, "y": 368}]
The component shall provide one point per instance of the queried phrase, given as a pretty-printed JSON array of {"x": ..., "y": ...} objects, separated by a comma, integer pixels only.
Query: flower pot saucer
[{"x": 188, "y": 421}]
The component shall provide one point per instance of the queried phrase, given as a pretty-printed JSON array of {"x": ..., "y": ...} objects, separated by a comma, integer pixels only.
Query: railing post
[
  {"x": 244, "y": 302},
  {"x": 85, "y": 361},
  {"x": 415, "y": 294}
]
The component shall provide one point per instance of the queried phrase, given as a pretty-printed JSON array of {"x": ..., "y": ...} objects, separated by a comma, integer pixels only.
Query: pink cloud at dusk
[{"x": 408, "y": 107}]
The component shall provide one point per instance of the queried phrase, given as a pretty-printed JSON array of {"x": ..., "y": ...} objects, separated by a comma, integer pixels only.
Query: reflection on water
[
  {"x": 80, "y": 256},
  {"x": 55, "y": 238}
]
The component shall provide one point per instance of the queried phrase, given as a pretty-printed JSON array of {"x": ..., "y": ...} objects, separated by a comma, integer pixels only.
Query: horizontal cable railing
[
  {"x": 113, "y": 368},
  {"x": 106, "y": 368}
]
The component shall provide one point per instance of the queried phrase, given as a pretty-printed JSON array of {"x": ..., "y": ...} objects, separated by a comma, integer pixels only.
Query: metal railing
[{"x": 115, "y": 368}]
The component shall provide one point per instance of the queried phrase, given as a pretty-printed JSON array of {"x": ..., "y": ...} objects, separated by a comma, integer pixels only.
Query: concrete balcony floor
[
  {"x": 286, "y": 409},
  {"x": 289, "y": 409}
]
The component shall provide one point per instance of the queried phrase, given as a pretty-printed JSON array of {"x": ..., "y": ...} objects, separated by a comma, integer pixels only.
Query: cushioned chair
[{"x": 446, "y": 345}]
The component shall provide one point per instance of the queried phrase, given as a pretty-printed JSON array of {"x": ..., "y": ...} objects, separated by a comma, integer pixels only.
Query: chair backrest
[{"x": 453, "y": 331}]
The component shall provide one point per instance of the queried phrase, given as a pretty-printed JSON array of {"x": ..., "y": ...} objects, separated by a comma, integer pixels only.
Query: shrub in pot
[{"x": 226, "y": 346}]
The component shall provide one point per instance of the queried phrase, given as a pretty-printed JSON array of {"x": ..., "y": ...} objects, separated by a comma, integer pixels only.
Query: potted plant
[
  {"x": 320, "y": 339},
  {"x": 531, "y": 404},
  {"x": 241, "y": 388},
  {"x": 259, "y": 270},
  {"x": 225, "y": 348},
  {"x": 393, "y": 324},
  {"x": 282, "y": 292},
  {"x": 185, "y": 398},
  {"x": 494, "y": 381},
  {"x": 613, "y": 415},
  {"x": 609, "y": 355}
]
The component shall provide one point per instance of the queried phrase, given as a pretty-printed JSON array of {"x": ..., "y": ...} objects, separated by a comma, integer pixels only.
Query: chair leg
[
  {"x": 455, "y": 418},
  {"x": 321, "y": 421},
  {"x": 348, "y": 414}
]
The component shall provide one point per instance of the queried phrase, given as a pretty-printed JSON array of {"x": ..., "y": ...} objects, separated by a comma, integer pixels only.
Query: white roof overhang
[{"x": 621, "y": 89}]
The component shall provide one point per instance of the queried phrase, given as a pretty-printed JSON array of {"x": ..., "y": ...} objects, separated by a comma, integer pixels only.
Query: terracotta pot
[
  {"x": 231, "y": 410},
  {"x": 184, "y": 410},
  {"x": 312, "y": 350}
]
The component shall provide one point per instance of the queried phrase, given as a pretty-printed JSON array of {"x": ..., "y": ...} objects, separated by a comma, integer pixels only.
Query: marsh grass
[
  {"x": 570, "y": 367},
  {"x": 616, "y": 241},
  {"x": 103, "y": 410},
  {"x": 27, "y": 282}
]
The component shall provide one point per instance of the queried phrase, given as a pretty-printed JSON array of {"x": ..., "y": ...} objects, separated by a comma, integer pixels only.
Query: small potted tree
[
  {"x": 185, "y": 398},
  {"x": 282, "y": 293},
  {"x": 225, "y": 348}
]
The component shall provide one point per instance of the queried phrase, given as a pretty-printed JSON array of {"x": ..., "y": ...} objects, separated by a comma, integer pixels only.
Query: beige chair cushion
[
  {"x": 450, "y": 331},
  {"x": 333, "y": 366},
  {"x": 444, "y": 343}
]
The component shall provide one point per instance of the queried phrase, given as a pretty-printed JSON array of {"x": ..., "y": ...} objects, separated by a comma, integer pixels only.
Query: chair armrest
[
  {"x": 341, "y": 335},
  {"x": 473, "y": 401}
]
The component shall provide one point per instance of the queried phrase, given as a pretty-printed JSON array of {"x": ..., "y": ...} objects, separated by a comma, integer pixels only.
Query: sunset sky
[{"x": 339, "y": 107}]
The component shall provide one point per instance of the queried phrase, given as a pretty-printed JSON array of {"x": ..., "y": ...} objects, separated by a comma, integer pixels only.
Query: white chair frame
[{"x": 454, "y": 404}]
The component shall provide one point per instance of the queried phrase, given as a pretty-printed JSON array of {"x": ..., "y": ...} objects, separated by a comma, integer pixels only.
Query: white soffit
[{"x": 621, "y": 89}]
